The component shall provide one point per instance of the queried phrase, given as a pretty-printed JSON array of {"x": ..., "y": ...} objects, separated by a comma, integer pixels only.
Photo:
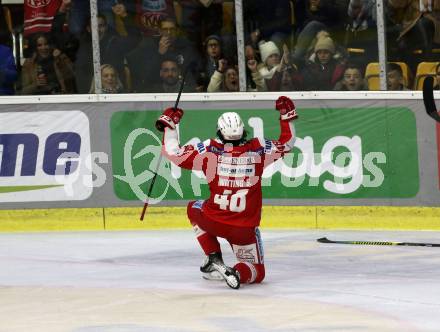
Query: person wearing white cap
[
  {"x": 274, "y": 66},
  {"x": 270, "y": 57},
  {"x": 323, "y": 70}
]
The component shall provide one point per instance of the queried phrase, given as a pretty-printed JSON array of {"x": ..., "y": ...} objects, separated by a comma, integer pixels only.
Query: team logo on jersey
[
  {"x": 215, "y": 150},
  {"x": 235, "y": 170},
  {"x": 247, "y": 253},
  {"x": 38, "y": 3}
]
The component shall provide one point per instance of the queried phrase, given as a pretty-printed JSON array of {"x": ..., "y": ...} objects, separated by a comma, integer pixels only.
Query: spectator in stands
[
  {"x": 268, "y": 20},
  {"x": 109, "y": 9},
  {"x": 419, "y": 23},
  {"x": 48, "y": 71},
  {"x": 224, "y": 79},
  {"x": 254, "y": 80},
  {"x": 63, "y": 28},
  {"x": 63, "y": 39},
  {"x": 437, "y": 75},
  {"x": 361, "y": 31},
  {"x": 170, "y": 78},
  {"x": 210, "y": 61},
  {"x": 79, "y": 14},
  {"x": 313, "y": 16},
  {"x": 323, "y": 69},
  {"x": 109, "y": 80},
  {"x": 291, "y": 80},
  {"x": 274, "y": 67},
  {"x": 113, "y": 49},
  {"x": 270, "y": 57},
  {"x": 340, "y": 52},
  {"x": 8, "y": 69},
  {"x": 352, "y": 80},
  {"x": 362, "y": 14},
  {"x": 395, "y": 80},
  {"x": 148, "y": 56},
  {"x": 201, "y": 18}
]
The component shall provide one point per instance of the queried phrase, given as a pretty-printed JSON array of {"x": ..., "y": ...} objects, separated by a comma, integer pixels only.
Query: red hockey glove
[
  {"x": 169, "y": 118},
  {"x": 286, "y": 107}
]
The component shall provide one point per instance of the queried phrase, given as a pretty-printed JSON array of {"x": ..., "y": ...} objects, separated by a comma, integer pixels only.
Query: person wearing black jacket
[
  {"x": 148, "y": 56},
  {"x": 313, "y": 16},
  {"x": 113, "y": 48}
]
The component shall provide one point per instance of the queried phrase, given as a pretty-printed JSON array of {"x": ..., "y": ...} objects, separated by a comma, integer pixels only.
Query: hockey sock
[
  {"x": 208, "y": 242},
  {"x": 250, "y": 273}
]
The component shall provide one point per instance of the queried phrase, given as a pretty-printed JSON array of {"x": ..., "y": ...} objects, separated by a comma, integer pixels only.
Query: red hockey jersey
[
  {"x": 151, "y": 12},
  {"x": 233, "y": 172},
  {"x": 39, "y": 14}
]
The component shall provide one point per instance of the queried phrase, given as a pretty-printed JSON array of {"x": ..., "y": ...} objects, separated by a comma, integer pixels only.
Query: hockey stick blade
[
  {"x": 428, "y": 98},
  {"x": 324, "y": 240},
  {"x": 380, "y": 243}
]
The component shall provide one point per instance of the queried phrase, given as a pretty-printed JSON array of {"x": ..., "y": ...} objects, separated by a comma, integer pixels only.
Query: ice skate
[
  {"x": 214, "y": 269},
  {"x": 209, "y": 272}
]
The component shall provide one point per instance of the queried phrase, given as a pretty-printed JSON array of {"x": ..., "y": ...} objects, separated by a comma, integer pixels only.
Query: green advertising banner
[{"x": 339, "y": 153}]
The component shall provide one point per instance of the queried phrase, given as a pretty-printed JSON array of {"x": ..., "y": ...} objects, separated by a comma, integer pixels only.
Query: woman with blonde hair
[{"x": 109, "y": 79}]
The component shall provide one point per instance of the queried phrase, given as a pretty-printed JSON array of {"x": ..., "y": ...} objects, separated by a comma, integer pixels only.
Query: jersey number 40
[{"x": 232, "y": 202}]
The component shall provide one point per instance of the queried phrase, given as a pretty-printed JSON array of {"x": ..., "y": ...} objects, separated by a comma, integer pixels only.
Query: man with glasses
[
  {"x": 213, "y": 55},
  {"x": 151, "y": 52}
]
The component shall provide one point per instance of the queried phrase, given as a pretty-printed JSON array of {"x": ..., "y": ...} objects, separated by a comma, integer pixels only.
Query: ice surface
[{"x": 150, "y": 281}]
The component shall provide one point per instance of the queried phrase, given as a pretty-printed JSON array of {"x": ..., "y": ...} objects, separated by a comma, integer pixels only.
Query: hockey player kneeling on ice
[{"x": 233, "y": 167}]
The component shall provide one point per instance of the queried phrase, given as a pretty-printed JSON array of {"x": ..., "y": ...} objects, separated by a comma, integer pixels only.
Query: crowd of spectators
[{"x": 290, "y": 45}]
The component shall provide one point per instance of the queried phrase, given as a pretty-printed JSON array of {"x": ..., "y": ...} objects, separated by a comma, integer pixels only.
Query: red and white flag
[{"x": 39, "y": 14}]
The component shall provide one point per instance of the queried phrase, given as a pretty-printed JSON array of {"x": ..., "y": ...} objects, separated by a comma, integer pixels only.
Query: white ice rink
[{"x": 149, "y": 281}]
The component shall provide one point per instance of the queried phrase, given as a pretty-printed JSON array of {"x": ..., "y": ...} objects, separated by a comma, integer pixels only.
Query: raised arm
[
  {"x": 181, "y": 156},
  {"x": 275, "y": 149},
  {"x": 288, "y": 114}
]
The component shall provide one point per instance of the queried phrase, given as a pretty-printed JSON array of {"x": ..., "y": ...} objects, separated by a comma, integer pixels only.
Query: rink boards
[
  {"x": 274, "y": 217},
  {"x": 361, "y": 161}
]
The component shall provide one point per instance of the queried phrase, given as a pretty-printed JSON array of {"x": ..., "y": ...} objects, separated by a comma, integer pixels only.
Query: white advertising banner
[{"x": 45, "y": 156}]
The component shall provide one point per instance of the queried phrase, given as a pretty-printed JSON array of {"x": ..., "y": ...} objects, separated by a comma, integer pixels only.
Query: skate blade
[{"x": 230, "y": 279}]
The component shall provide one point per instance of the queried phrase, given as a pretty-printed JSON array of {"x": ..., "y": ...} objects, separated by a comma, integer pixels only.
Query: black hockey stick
[
  {"x": 160, "y": 127},
  {"x": 428, "y": 98},
  {"x": 380, "y": 243}
]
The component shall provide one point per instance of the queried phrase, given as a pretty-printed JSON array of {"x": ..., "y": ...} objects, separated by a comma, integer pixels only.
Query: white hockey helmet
[{"x": 230, "y": 126}]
